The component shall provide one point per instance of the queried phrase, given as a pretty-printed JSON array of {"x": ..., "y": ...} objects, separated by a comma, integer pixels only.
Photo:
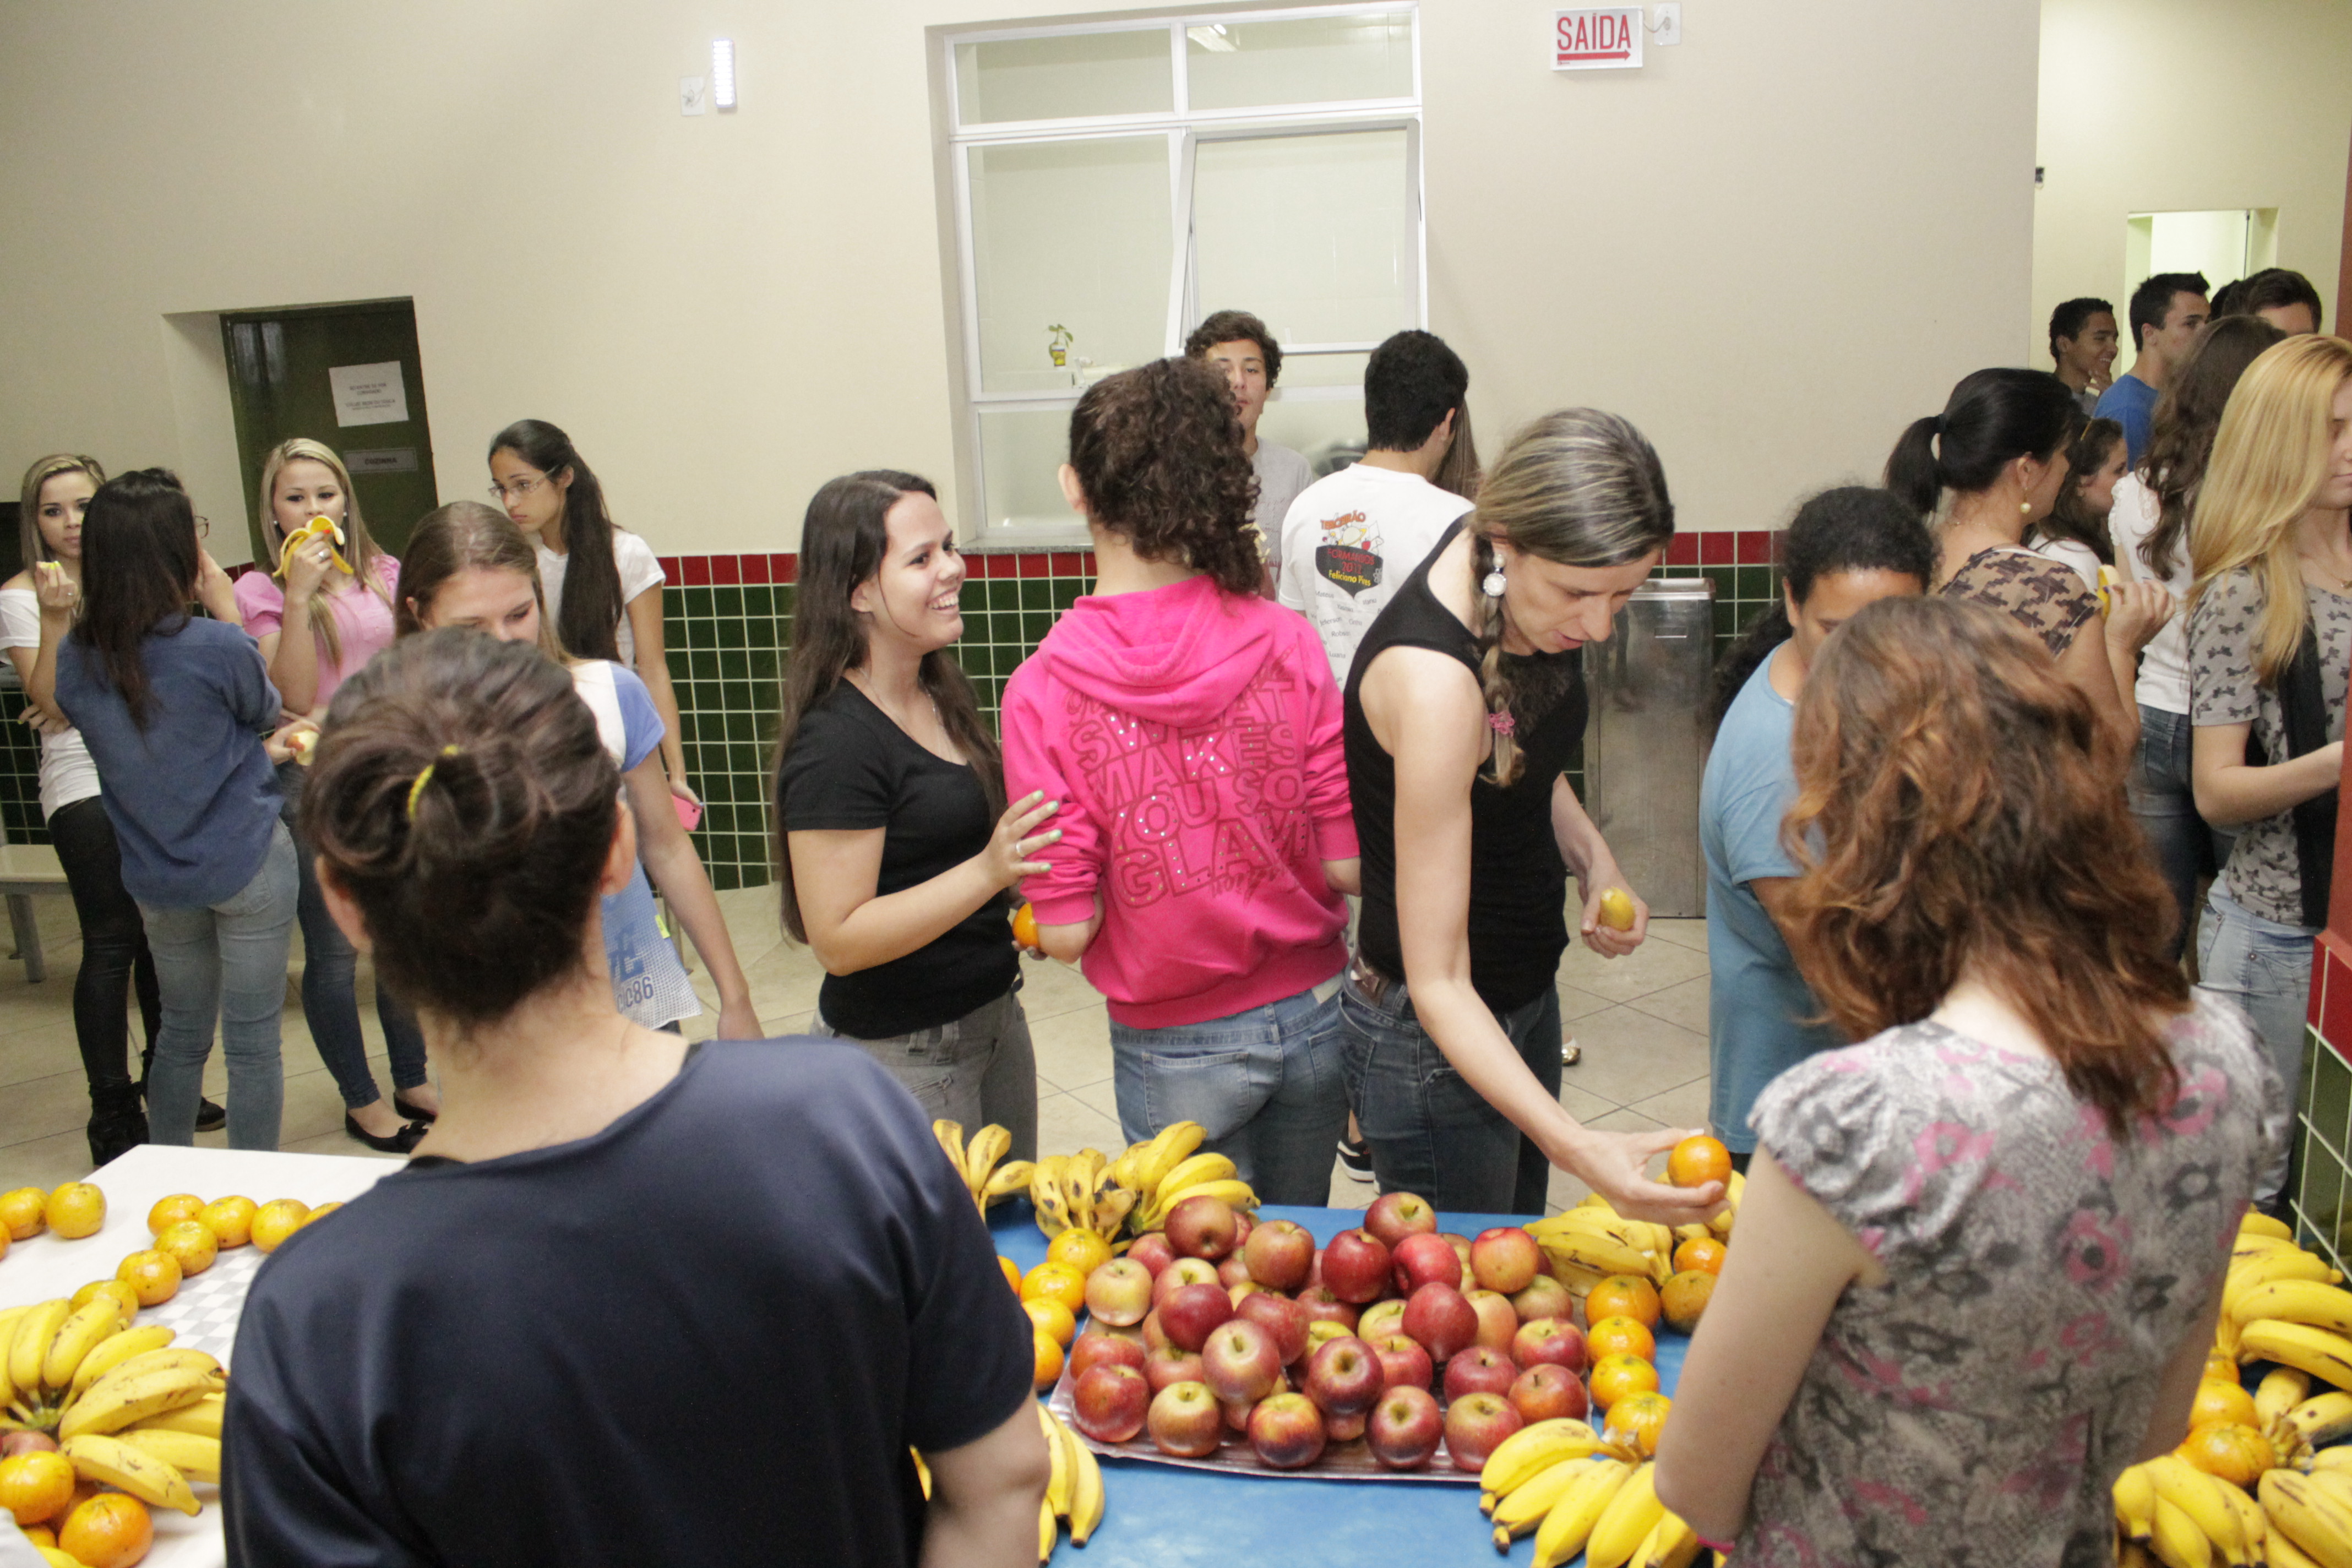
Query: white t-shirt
[
  {"x": 66, "y": 773},
  {"x": 1350, "y": 538},
  {"x": 2164, "y": 664},
  {"x": 639, "y": 572},
  {"x": 1282, "y": 474}
]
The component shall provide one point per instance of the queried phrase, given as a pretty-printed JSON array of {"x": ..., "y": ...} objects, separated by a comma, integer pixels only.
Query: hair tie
[
  {"x": 1502, "y": 723},
  {"x": 425, "y": 777}
]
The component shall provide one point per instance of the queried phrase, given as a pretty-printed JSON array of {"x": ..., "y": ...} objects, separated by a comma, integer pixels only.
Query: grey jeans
[
  {"x": 225, "y": 961},
  {"x": 974, "y": 1069}
]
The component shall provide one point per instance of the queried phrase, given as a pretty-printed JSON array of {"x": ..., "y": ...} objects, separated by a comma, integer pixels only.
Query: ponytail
[
  {"x": 1912, "y": 471},
  {"x": 1994, "y": 418}
]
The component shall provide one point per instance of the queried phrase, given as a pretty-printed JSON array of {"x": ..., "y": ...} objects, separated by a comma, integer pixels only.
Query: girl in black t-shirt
[{"x": 897, "y": 847}]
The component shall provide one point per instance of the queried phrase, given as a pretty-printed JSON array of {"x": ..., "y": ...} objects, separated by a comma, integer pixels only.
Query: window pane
[
  {"x": 1075, "y": 234},
  {"x": 1021, "y": 457},
  {"x": 1323, "y": 370},
  {"x": 1316, "y": 60},
  {"x": 1059, "y": 77},
  {"x": 1312, "y": 233},
  {"x": 1329, "y": 435}
]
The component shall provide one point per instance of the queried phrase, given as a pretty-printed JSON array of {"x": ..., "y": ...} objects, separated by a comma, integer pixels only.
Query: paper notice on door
[{"x": 368, "y": 393}]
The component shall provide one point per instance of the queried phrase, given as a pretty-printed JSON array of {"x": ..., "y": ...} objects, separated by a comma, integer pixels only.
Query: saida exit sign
[{"x": 1606, "y": 37}]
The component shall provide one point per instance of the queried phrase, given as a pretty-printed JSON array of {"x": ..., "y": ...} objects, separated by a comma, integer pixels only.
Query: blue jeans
[
  {"x": 330, "y": 982},
  {"x": 225, "y": 961},
  {"x": 2166, "y": 806},
  {"x": 2265, "y": 968},
  {"x": 1430, "y": 1131},
  {"x": 1264, "y": 1082}
]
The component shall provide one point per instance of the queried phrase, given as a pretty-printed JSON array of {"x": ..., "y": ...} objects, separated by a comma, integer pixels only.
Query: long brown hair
[
  {"x": 1158, "y": 452},
  {"x": 2180, "y": 440},
  {"x": 467, "y": 536},
  {"x": 1958, "y": 812},
  {"x": 139, "y": 562}
]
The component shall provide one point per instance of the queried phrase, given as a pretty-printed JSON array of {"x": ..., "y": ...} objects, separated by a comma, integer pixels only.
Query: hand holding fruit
[
  {"x": 55, "y": 589},
  {"x": 1612, "y": 1164},
  {"x": 1011, "y": 851},
  {"x": 1615, "y": 920},
  {"x": 295, "y": 741}
]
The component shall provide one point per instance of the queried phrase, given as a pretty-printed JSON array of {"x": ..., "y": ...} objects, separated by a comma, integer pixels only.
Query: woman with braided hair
[{"x": 1464, "y": 710}]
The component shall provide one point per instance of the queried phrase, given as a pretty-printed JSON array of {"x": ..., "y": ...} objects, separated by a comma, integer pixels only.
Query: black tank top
[{"x": 1517, "y": 881}]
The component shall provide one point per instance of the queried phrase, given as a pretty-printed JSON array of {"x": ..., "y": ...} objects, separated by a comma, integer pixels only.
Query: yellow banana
[
  {"x": 2198, "y": 1495},
  {"x": 987, "y": 1149},
  {"x": 57, "y": 1559},
  {"x": 317, "y": 528},
  {"x": 115, "y": 1463},
  {"x": 1521, "y": 1511},
  {"x": 1626, "y": 1523},
  {"x": 2282, "y": 1389},
  {"x": 1057, "y": 1488},
  {"x": 1086, "y": 1489},
  {"x": 1122, "y": 1169},
  {"x": 2254, "y": 1222},
  {"x": 1077, "y": 1194},
  {"x": 34, "y": 1330},
  {"x": 1671, "y": 1543},
  {"x": 168, "y": 1358},
  {"x": 2318, "y": 1421},
  {"x": 950, "y": 1136},
  {"x": 1171, "y": 1147},
  {"x": 100, "y": 1318},
  {"x": 2177, "y": 1541},
  {"x": 1233, "y": 1192},
  {"x": 1113, "y": 1205},
  {"x": 2307, "y": 1301},
  {"x": 2337, "y": 1459},
  {"x": 1600, "y": 1255},
  {"x": 2304, "y": 1511},
  {"x": 202, "y": 1419},
  {"x": 2281, "y": 1264},
  {"x": 922, "y": 1472},
  {"x": 1047, "y": 1535},
  {"x": 2281, "y": 1552},
  {"x": 1735, "y": 1188},
  {"x": 1046, "y": 1192},
  {"x": 1694, "y": 1231},
  {"x": 112, "y": 1352},
  {"x": 2325, "y": 1355},
  {"x": 1200, "y": 1168},
  {"x": 1569, "y": 1526},
  {"x": 1008, "y": 1180},
  {"x": 116, "y": 1401},
  {"x": 1533, "y": 1449},
  {"x": 2136, "y": 1503},
  {"x": 198, "y": 1459},
  {"x": 2252, "y": 1526},
  {"x": 9, "y": 1319}
]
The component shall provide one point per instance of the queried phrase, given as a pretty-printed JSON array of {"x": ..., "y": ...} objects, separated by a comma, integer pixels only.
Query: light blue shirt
[
  {"x": 1757, "y": 1002},
  {"x": 2130, "y": 403}
]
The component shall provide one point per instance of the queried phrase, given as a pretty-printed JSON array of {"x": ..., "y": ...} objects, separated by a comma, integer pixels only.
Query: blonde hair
[
  {"x": 34, "y": 544},
  {"x": 2269, "y": 458},
  {"x": 358, "y": 549}
]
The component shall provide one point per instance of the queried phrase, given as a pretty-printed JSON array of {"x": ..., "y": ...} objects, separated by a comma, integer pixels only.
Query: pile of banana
[
  {"x": 126, "y": 1410},
  {"x": 978, "y": 1162},
  {"x": 2169, "y": 1508},
  {"x": 1593, "y": 1241},
  {"x": 1089, "y": 1191},
  {"x": 1074, "y": 1493},
  {"x": 1076, "y": 1192},
  {"x": 1558, "y": 1479}
]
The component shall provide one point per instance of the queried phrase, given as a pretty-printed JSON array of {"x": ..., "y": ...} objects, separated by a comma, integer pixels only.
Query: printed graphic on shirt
[
  {"x": 1222, "y": 808},
  {"x": 1348, "y": 555}
]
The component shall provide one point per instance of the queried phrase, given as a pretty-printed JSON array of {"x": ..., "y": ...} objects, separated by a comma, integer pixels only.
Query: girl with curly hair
[
  {"x": 1190, "y": 732},
  {"x": 2036, "y": 1157}
]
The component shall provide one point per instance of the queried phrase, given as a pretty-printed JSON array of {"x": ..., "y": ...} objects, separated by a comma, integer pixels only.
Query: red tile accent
[
  {"x": 694, "y": 570},
  {"x": 755, "y": 568},
  {"x": 1683, "y": 550},
  {"x": 1718, "y": 549},
  {"x": 726, "y": 569},
  {"x": 1036, "y": 565},
  {"x": 1086, "y": 563},
  {"x": 1756, "y": 547},
  {"x": 784, "y": 568},
  {"x": 1066, "y": 564},
  {"x": 981, "y": 565},
  {"x": 671, "y": 570},
  {"x": 2330, "y": 1009}
]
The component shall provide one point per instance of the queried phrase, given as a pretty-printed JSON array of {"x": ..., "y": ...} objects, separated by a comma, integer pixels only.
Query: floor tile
[
  {"x": 1682, "y": 933},
  {"x": 1050, "y": 988},
  {"x": 1653, "y": 966},
  {"x": 1575, "y": 1004},
  {"x": 1685, "y": 1004},
  {"x": 1682, "y": 1107},
  {"x": 1631, "y": 1056},
  {"x": 1073, "y": 1051},
  {"x": 1066, "y": 1124}
]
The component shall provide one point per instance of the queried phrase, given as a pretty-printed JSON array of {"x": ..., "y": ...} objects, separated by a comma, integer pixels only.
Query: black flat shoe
[
  {"x": 414, "y": 1113},
  {"x": 210, "y": 1117},
  {"x": 400, "y": 1142}
]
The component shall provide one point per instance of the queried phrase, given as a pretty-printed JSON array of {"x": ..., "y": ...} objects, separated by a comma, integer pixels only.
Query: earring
[
  {"x": 1492, "y": 586},
  {"x": 2025, "y": 508}
]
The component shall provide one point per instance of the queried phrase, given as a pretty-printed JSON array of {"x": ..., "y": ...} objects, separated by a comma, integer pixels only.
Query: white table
[{"x": 46, "y": 1266}]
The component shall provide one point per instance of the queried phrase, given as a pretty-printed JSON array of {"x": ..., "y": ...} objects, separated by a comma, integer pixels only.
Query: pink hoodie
[{"x": 1193, "y": 737}]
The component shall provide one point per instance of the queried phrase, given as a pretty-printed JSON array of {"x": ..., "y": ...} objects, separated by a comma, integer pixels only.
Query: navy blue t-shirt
[{"x": 706, "y": 1335}]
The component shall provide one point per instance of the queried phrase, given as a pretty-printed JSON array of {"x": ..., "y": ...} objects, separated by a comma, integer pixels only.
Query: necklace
[
  {"x": 874, "y": 696},
  {"x": 2335, "y": 578}
]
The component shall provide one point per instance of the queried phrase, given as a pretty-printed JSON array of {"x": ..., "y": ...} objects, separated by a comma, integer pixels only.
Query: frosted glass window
[
  {"x": 1323, "y": 370},
  {"x": 1072, "y": 75},
  {"x": 1075, "y": 234},
  {"x": 1314, "y": 233},
  {"x": 1022, "y": 453},
  {"x": 1329, "y": 435},
  {"x": 1315, "y": 59}
]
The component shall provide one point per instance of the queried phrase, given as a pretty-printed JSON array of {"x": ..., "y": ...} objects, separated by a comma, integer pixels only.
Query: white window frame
[{"x": 1185, "y": 129}]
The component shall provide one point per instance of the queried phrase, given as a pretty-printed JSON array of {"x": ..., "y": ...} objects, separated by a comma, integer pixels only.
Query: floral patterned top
[
  {"x": 2041, "y": 594},
  {"x": 1977, "y": 1408}
]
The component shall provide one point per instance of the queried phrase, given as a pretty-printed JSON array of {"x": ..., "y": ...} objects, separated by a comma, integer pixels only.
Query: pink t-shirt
[{"x": 363, "y": 620}]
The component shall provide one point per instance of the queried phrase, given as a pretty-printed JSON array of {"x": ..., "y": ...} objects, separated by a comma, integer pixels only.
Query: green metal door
[{"x": 347, "y": 375}]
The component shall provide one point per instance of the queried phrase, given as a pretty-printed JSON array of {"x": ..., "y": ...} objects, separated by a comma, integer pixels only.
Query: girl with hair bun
[
  {"x": 1190, "y": 731},
  {"x": 1464, "y": 710}
]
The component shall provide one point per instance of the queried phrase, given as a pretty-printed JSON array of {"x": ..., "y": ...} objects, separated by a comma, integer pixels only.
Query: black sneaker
[
  {"x": 1356, "y": 1159},
  {"x": 210, "y": 1117}
]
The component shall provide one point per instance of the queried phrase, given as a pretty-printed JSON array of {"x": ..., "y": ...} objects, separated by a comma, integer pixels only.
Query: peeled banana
[{"x": 317, "y": 528}]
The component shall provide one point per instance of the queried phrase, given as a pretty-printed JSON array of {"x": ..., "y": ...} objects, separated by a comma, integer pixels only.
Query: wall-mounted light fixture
[{"x": 722, "y": 73}]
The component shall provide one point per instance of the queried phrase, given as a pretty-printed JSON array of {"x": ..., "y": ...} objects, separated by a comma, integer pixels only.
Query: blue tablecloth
[{"x": 1162, "y": 1514}]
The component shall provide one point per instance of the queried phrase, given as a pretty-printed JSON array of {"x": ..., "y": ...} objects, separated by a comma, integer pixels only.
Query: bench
[{"x": 27, "y": 870}]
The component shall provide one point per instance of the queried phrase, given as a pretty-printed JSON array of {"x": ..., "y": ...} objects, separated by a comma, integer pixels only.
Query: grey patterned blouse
[
  {"x": 2043, "y": 595},
  {"x": 1976, "y": 1410}
]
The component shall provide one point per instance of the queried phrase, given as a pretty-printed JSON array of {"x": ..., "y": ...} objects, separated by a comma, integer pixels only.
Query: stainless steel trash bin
[{"x": 1646, "y": 743}]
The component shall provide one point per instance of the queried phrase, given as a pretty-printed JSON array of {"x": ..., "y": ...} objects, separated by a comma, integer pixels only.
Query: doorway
[
  {"x": 2224, "y": 245},
  {"x": 348, "y": 375}
]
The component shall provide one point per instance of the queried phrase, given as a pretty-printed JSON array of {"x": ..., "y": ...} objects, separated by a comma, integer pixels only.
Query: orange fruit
[
  {"x": 1636, "y": 1421},
  {"x": 171, "y": 1211},
  {"x": 1621, "y": 1336},
  {"x": 1698, "y": 1160},
  {"x": 1025, "y": 926},
  {"x": 1052, "y": 1318},
  {"x": 155, "y": 1275},
  {"x": 1081, "y": 1249},
  {"x": 278, "y": 1219},
  {"x": 1616, "y": 1376},
  {"x": 124, "y": 1295},
  {"x": 74, "y": 1210},
  {"x": 2219, "y": 1368},
  {"x": 2228, "y": 1402},
  {"x": 190, "y": 1243},
  {"x": 1686, "y": 1298},
  {"x": 1012, "y": 1272},
  {"x": 110, "y": 1531},
  {"x": 1623, "y": 1295},
  {"x": 231, "y": 1220},
  {"x": 22, "y": 1211},
  {"x": 5, "y": 1243},
  {"x": 2236, "y": 1454},
  {"x": 1701, "y": 1253},
  {"x": 35, "y": 1486},
  {"x": 321, "y": 1212},
  {"x": 1056, "y": 1282},
  {"x": 1049, "y": 1359}
]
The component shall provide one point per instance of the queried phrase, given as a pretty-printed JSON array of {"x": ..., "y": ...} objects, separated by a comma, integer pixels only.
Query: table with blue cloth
[{"x": 1167, "y": 1514}]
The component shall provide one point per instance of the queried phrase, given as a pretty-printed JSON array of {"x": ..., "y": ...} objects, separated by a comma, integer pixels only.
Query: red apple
[
  {"x": 1109, "y": 1403},
  {"x": 1395, "y": 1215},
  {"x": 1240, "y": 1363},
  {"x": 1547, "y": 1390},
  {"x": 1283, "y": 1318},
  {"x": 1191, "y": 1312},
  {"x": 1421, "y": 1258},
  {"x": 1345, "y": 1428},
  {"x": 1185, "y": 1421},
  {"x": 1119, "y": 1292},
  {"x": 1286, "y": 1432},
  {"x": 1475, "y": 1425},
  {"x": 1203, "y": 1226},
  {"x": 1442, "y": 1321},
  {"x": 1237, "y": 1416},
  {"x": 1233, "y": 1271},
  {"x": 1094, "y": 1348},
  {"x": 1504, "y": 1258},
  {"x": 1243, "y": 1223},
  {"x": 1405, "y": 1429},
  {"x": 1314, "y": 1271},
  {"x": 1461, "y": 1245},
  {"x": 1478, "y": 1371},
  {"x": 1183, "y": 1272},
  {"x": 1381, "y": 1320},
  {"x": 1322, "y": 1307},
  {"x": 1498, "y": 1321},
  {"x": 1343, "y": 1377},
  {"x": 1154, "y": 1331},
  {"x": 1545, "y": 1297},
  {"x": 1279, "y": 1253},
  {"x": 1549, "y": 1340},
  {"x": 1168, "y": 1365},
  {"x": 1152, "y": 1251},
  {"x": 1321, "y": 1332},
  {"x": 1403, "y": 1363},
  {"x": 1356, "y": 1267}
]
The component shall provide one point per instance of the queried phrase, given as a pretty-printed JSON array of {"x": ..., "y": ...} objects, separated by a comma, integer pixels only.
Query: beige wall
[
  {"x": 1771, "y": 247},
  {"x": 2186, "y": 106}
]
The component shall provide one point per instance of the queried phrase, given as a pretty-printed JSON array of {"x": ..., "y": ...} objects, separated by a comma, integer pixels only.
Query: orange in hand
[
  {"x": 1025, "y": 926},
  {"x": 1698, "y": 1160}
]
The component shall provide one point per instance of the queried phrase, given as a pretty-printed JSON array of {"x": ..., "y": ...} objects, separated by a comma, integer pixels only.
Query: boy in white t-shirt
[{"x": 1351, "y": 537}]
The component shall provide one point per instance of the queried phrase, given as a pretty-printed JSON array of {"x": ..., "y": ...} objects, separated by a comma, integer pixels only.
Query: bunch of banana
[
  {"x": 977, "y": 1161},
  {"x": 127, "y": 1410},
  {"x": 2310, "y": 1517},
  {"x": 1076, "y": 1192},
  {"x": 1591, "y": 1242},
  {"x": 1529, "y": 1471},
  {"x": 317, "y": 528},
  {"x": 1167, "y": 1170},
  {"x": 2264, "y": 1254},
  {"x": 2187, "y": 1518},
  {"x": 2314, "y": 1424},
  {"x": 1075, "y": 1491}
]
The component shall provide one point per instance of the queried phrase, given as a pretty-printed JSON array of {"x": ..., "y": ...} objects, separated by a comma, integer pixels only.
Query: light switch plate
[
  {"x": 693, "y": 95},
  {"x": 1667, "y": 23}
]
